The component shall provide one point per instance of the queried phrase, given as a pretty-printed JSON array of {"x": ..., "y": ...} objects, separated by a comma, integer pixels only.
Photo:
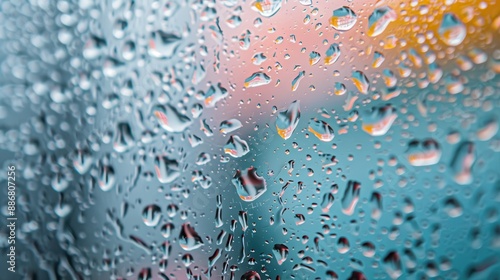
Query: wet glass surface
[{"x": 251, "y": 140}]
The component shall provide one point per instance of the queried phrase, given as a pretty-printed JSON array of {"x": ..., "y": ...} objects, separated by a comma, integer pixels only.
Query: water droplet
[
  {"x": 106, "y": 177},
  {"x": 267, "y": 8},
  {"x": 368, "y": 249},
  {"x": 321, "y": 129},
  {"x": 249, "y": 185},
  {"x": 331, "y": 275},
  {"x": 487, "y": 130},
  {"x": 243, "y": 218},
  {"x": 287, "y": 120},
  {"x": 462, "y": 163},
  {"x": 234, "y": 21},
  {"x": 151, "y": 215},
  {"x": 361, "y": 82},
  {"x": 213, "y": 95},
  {"x": 188, "y": 238},
  {"x": 167, "y": 170},
  {"x": 60, "y": 182},
  {"x": 379, "y": 120},
  {"x": 296, "y": 80},
  {"x": 392, "y": 263},
  {"x": 199, "y": 74},
  {"x": 343, "y": 19},
  {"x": 435, "y": 73},
  {"x": 82, "y": 160},
  {"x": 379, "y": 20},
  {"x": 236, "y": 147},
  {"x": 124, "y": 139},
  {"x": 280, "y": 252},
  {"x": 343, "y": 245},
  {"x": 258, "y": 58},
  {"x": 423, "y": 153},
  {"x": 163, "y": 44},
  {"x": 389, "y": 77},
  {"x": 257, "y": 79},
  {"x": 170, "y": 119},
  {"x": 314, "y": 57},
  {"x": 452, "y": 31},
  {"x": 453, "y": 84},
  {"x": 339, "y": 88},
  {"x": 415, "y": 58},
  {"x": 203, "y": 158},
  {"x": 187, "y": 260},
  {"x": 144, "y": 274},
  {"x": 351, "y": 197},
  {"x": 229, "y": 126},
  {"x": 378, "y": 59},
  {"x": 452, "y": 207},
  {"x": 166, "y": 230},
  {"x": 357, "y": 275},
  {"x": 332, "y": 54},
  {"x": 94, "y": 47}
]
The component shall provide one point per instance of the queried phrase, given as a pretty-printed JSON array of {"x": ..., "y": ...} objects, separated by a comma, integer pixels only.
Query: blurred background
[{"x": 251, "y": 140}]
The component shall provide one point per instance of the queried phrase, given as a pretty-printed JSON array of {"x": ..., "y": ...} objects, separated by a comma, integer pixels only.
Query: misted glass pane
[{"x": 192, "y": 139}]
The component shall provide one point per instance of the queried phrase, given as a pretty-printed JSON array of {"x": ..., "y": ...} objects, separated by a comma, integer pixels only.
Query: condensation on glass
[{"x": 252, "y": 140}]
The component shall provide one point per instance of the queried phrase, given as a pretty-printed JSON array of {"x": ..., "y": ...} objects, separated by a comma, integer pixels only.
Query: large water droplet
[
  {"x": 236, "y": 147},
  {"x": 314, "y": 57},
  {"x": 332, "y": 54},
  {"x": 322, "y": 130},
  {"x": 296, "y": 80},
  {"x": 167, "y": 170},
  {"x": 287, "y": 120},
  {"x": 257, "y": 79},
  {"x": 151, "y": 215},
  {"x": 343, "y": 19},
  {"x": 267, "y": 8},
  {"x": 124, "y": 139},
  {"x": 106, "y": 177},
  {"x": 379, "y": 120},
  {"x": 379, "y": 20},
  {"x": 163, "y": 44},
  {"x": 229, "y": 126},
  {"x": 361, "y": 82},
  {"x": 82, "y": 160},
  {"x": 462, "y": 163},
  {"x": 249, "y": 185},
  {"x": 351, "y": 197},
  {"x": 280, "y": 252},
  {"x": 170, "y": 119},
  {"x": 452, "y": 31},
  {"x": 422, "y": 153},
  {"x": 188, "y": 238}
]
